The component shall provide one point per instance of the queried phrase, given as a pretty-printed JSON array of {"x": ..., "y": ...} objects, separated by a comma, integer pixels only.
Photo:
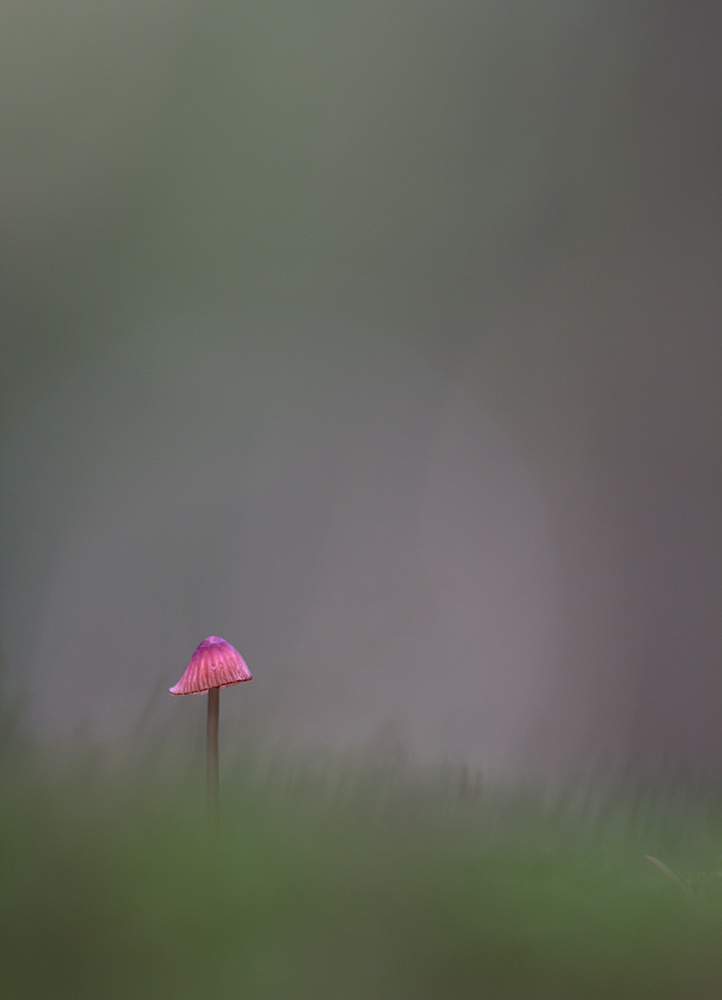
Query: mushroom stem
[{"x": 212, "y": 754}]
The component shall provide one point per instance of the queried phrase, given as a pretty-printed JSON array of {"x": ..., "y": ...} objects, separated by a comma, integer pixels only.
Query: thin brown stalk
[{"x": 212, "y": 755}]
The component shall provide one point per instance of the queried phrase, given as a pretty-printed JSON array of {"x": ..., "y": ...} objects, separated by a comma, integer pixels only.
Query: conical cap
[{"x": 215, "y": 663}]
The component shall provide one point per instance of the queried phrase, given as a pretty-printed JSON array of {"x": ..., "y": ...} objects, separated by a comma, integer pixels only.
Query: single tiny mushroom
[{"x": 215, "y": 664}]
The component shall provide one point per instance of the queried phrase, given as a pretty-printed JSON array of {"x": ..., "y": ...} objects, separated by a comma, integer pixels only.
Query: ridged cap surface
[{"x": 215, "y": 663}]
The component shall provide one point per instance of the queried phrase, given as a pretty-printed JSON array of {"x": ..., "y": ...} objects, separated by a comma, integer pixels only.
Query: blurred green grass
[{"x": 353, "y": 881}]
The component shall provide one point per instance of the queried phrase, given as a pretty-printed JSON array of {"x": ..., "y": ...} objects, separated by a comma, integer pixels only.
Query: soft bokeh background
[{"x": 382, "y": 339}]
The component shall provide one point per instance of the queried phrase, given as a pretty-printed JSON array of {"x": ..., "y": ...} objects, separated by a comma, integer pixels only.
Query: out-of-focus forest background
[{"x": 383, "y": 340}]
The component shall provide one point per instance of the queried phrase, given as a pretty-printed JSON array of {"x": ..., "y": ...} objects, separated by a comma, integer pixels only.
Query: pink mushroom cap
[{"x": 214, "y": 664}]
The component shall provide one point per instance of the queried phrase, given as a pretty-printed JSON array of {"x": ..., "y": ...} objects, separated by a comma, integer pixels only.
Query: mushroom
[{"x": 215, "y": 664}]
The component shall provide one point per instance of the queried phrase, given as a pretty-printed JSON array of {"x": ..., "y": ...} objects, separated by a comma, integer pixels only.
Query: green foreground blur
[{"x": 351, "y": 882}]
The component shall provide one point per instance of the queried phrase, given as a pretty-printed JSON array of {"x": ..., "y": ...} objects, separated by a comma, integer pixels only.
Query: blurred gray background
[{"x": 382, "y": 339}]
